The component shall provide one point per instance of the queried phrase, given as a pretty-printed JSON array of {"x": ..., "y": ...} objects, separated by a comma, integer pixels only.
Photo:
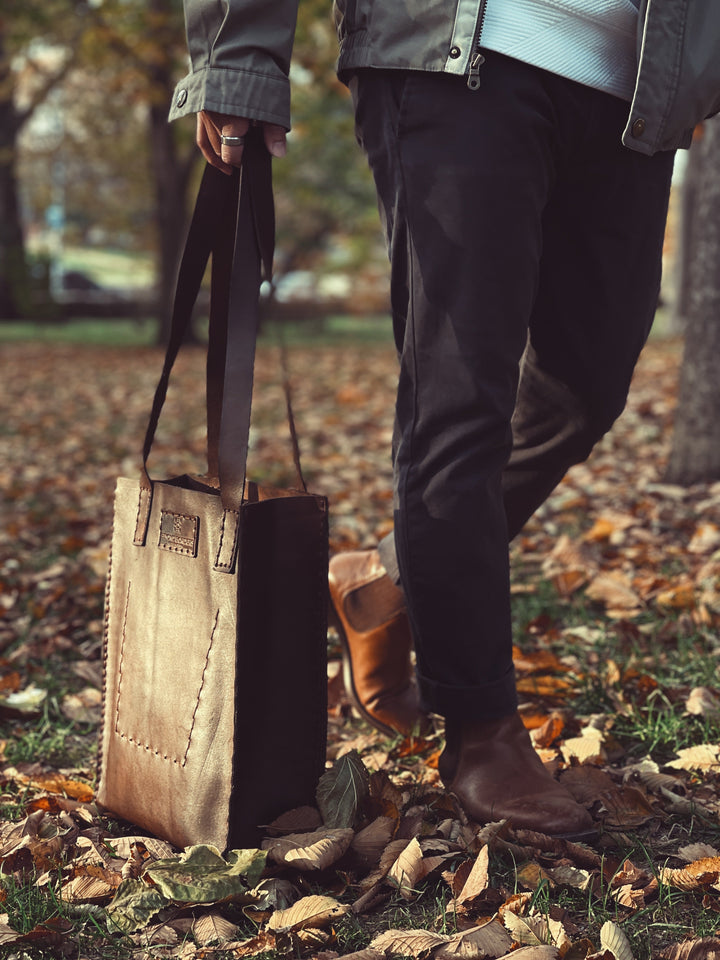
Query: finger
[
  {"x": 208, "y": 140},
  {"x": 275, "y": 139},
  {"x": 232, "y": 137}
]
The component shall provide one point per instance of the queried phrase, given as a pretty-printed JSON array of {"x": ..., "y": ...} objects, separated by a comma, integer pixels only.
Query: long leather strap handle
[{"x": 241, "y": 207}]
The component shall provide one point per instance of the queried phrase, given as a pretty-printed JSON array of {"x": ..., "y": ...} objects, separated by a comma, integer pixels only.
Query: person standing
[{"x": 522, "y": 152}]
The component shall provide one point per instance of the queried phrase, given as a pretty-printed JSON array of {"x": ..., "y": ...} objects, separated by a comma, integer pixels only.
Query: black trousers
[{"x": 513, "y": 215}]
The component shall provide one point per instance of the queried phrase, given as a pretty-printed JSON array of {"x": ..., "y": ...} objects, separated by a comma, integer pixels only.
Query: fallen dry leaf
[
  {"x": 705, "y": 539},
  {"x": 408, "y": 943},
  {"x": 705, "y": 948},
  {"x": 478, "y": 879},
  {"x": 407, "y": 871},
  {"x": 703, "y": 702},
  {"x": 486, "y": 940},
  {"x": 586, "y": 749},
  {"x": 699, "y": 873},
  {"x": 705, "y": 757},
  {"x": 310, "y": 851},
  {"x": 613, "y": 939},
  {"x": 533, "y": 953},
  {"x": 614, "y": 590},
  {"x": 314, "y": 911},
  {"x": 679, "y": 597},
  {"x": 696, "y": 851},
  {"x": 370, "y": 842},
  {"x": 83, "y": 707},
  {"x": 536, "y": 930},
  {"x": 211, "y": 927}
]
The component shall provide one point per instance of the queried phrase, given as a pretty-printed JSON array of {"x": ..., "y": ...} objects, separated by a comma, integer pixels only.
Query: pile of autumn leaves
[{"x": 368, "y": 841}]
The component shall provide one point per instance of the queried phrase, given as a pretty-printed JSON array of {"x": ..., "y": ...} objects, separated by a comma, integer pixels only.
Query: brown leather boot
[
  {"x": 494, "y": 771},
  {"x": 369, "y": 613}
]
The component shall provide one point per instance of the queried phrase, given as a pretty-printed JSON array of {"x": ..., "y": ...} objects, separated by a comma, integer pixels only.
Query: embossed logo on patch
[{"x": 178, "y": 533}]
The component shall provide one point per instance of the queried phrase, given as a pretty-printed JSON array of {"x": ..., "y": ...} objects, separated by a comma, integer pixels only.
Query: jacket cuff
[{"x": 238, "y": 93}]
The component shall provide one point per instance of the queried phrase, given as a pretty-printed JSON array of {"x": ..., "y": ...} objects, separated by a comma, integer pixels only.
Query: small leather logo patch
[{"x": 179, "y": 533}]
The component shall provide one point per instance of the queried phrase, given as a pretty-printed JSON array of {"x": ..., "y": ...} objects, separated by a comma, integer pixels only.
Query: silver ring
[{"x": 232, "y": 141}]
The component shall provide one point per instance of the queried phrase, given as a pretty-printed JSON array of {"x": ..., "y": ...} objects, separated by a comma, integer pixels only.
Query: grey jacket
[{"x": 240, "y": 56}]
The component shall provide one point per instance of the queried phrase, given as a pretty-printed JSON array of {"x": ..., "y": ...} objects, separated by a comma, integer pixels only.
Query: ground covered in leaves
[{"x": 617, "y": 606}]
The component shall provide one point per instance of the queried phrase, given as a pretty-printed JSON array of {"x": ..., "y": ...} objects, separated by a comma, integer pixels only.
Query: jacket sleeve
[{"x": 239, "y": 59}]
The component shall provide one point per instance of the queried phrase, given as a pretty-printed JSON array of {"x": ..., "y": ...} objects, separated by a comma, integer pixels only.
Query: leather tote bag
[{"x": 215, "y": 684}]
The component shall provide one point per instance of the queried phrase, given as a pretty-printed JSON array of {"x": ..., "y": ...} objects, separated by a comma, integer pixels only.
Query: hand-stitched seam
[
  {"x": 106, "y": 641},
  {"x": 227, "y": 566},
  {"x": 122, "y": 658},
  {"x": 146, "y": 746},
  {"x": 139, "y": 511},
  {"x": 202, "y": 684}
]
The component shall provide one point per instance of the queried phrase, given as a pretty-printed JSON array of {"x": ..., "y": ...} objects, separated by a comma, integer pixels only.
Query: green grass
[
  {"x": 109, "y": 333},
  {"x": 143, "y": 333},
  {"x": 29, "y": 906}
]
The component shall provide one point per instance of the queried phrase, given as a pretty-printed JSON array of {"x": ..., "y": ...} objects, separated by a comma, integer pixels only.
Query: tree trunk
[
  {"x": 684, "y": 253},
  {"x": 170, "y": 212},
  {"x": 169, "y": 172},
  {"x": 14, "y": 278},
  {"x": 695, "y": 454}
]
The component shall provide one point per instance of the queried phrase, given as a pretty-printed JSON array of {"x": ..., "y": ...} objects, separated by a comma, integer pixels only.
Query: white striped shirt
[{"x": 590, "y": 41}]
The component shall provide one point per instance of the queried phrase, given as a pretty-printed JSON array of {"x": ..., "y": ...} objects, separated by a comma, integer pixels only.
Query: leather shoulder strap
[{"x": 234, "y": 220}]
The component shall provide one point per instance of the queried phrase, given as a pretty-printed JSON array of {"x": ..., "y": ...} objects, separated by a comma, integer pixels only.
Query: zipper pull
[{"x": 473, "y": 80}]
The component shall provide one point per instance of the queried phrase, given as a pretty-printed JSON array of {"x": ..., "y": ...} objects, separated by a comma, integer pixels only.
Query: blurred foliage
[
  {"x": 91, "y": 76},
  {"x": 326, "y": 200}
]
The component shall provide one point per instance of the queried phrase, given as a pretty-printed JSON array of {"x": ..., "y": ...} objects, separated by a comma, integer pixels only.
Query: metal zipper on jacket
[{"x": 477, "y": 60}]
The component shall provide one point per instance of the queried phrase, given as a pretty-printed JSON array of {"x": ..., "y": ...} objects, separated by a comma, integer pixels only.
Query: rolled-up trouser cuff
[{"x": 487, "y": 702}]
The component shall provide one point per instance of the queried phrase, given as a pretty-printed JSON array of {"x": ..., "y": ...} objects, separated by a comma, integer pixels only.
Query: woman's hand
[{"x": 212, "y": 128}]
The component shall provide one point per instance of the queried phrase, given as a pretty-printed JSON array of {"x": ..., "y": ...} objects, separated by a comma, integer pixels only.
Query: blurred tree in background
[
  {"x": 28, "y": 28},
  {"x": 88, "y": 84},
  {"x": 695, "y": 454},
  {"x": 326, "y": 207}
]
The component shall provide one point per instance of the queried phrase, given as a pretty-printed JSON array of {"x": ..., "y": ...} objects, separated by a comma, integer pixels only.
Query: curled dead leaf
[
  {"x": 486, "y": 940},
  {"x": 312, "y": 938},
  {"x": 696, "y": 851},
  {"x": 408, "y": 869},
  {"x": 702, "y": 701},
  {"x": 489, "y": 939},
  {"x": 367, "y": 954},
  {"x": 212, "y": 927},
  {"x": 550, "y": 731},
  {"x": 612, "y": 938},
  {"x": 531, "y": 875},
  {"x": 536, "y": 930},
  {"x": 299, "y": 820},
  {"x": 608, "y": 526},
  {"x": 310, "y": 912},
  {"x": 705, "y": 539},
  {"x": 370, "y": 842},
  {"x": 86, "y": 888},
  {"x": 679, "y": 597},
  {"x": 626, "y": 807},
  {"x": 310, "y": 851},
  {"x": 544, "y": 952},
  {"x": 705, "y": 757},
  {"x": 408, "y": 943},
  {"x": 586, "y": 749},
  {"x": 705, "y": 948},
  {"x": 700, "y": 873},
  {"x": 478, "y": 879},
  {"x": 83, "y": 707},
  {"x": 614, "y": 590},
  {"x": 565, "y": 875}
]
